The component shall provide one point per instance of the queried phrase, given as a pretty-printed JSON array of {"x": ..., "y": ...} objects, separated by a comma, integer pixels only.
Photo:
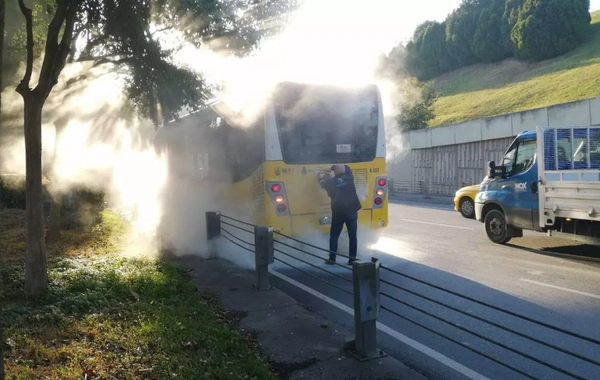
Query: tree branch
[
  {"x": 65, "y": 44},
  {"x": 23, "y": 87},
  {"x": 44, "y": 84},
  {"x": 56, "y": 54},
  {"x": 86, "y": 53},
  {"x": 115, "y": 62},
  {"x": 99, "y": 57}
]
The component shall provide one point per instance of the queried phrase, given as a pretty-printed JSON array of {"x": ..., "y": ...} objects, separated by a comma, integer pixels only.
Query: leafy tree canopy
[
  {"x": 417, "y": 114},
  {"x": 547, "y": 28}
]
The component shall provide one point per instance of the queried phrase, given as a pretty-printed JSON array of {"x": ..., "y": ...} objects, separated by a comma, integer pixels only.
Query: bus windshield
[{"x": 322, "y": 124}]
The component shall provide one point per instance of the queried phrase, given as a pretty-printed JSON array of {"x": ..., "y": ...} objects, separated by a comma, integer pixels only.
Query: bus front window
[{"x": 319, "y": 124}]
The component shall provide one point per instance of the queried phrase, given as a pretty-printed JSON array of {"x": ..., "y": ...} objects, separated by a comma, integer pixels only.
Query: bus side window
[{"x": 245, "y": 149}]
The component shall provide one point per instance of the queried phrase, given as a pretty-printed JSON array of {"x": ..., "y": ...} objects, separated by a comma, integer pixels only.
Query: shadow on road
[
  {"x": 575, "y": 317},
  {"x": 582, "y": 254}
]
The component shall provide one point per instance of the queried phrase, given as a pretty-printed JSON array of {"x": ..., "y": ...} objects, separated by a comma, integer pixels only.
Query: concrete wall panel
[
  {"x": 570, "y": 114},
  {"x": 595, "y": 111},
  {"x": 442, "y": 136},
  {"x": 420, "y": 139},
  {"x": 496, "y": 127},
  {"x": 528, "y": 120},
  {"x": 467, "y": 132}
]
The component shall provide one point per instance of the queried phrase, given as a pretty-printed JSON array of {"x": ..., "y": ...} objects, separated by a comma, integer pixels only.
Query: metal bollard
[
  {"x": 213, "y": 231},
  {"x": 264, "y": 255},
  {"x": 365, "y": 281}
]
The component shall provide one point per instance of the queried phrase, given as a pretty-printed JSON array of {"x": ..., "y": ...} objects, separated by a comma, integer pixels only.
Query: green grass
[
  {"x": 106, "y": 316},
  {"x": 485, "y": 90}
]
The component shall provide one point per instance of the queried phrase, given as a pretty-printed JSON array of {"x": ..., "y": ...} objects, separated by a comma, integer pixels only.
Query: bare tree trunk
[
  {"x": 55, "y": 56},
  {"x": 2, "y": 8},
  {"x": 36, "y": 275},
  {"x": 55, "y": 222}
]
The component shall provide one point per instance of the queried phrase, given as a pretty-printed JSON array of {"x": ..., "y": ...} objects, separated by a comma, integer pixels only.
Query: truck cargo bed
[{"x": 569, "y": 174}]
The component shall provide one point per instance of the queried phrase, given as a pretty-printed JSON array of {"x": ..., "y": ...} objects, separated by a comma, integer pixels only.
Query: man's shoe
[
  {"x": 330, "y": 262},
  {"x": 351, "y": 260}
]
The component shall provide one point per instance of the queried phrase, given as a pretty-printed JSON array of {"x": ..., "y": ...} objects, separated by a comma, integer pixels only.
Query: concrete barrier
[{"x": 443, "y": 159}]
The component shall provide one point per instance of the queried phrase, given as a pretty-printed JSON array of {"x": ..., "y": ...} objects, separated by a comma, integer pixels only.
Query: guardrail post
[
  {"x": 264, "y": 255},
  {"x": 365, "y": 281},
  {"x": 213, "y": 231}
]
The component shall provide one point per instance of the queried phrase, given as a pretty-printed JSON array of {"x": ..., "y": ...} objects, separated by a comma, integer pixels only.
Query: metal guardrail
[{"x": 366, "y": 281}]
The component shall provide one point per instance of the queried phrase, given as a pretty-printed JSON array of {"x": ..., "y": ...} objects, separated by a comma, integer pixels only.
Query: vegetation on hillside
[
  {"x": 484, "y": 90},
  {"x": 416, "y": 112},
  {"x": 106, "y": 316},
  {"x": 493, "y": 30}
]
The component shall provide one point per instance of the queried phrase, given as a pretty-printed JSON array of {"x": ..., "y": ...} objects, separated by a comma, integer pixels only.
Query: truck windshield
[{"x": 322, "y": 124}]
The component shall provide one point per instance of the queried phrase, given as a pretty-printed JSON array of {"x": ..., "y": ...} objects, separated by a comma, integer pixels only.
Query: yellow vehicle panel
[
  {"x": 308, "y": 202},
  {"x": 467, "y": 191}
]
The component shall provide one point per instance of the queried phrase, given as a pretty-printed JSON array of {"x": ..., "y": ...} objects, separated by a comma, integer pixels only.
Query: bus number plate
[{"x": 325, "y": 221}]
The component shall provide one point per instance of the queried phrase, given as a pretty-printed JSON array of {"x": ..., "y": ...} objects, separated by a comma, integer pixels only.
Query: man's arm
[
  {"x": 325, "y": 181},
  {"x": 349, "y": 171}
]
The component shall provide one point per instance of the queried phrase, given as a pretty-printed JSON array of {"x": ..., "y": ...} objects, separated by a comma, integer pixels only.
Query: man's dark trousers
[{"x": 337, "y": 224}]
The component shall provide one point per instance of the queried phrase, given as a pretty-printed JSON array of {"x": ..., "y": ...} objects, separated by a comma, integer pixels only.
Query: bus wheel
[{"x": 496, "y": 227}]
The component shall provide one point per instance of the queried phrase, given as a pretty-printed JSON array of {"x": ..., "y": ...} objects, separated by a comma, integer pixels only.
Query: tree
[
  {"x": 461, "y": 26},
  {"x": 490, "y": 43},
  {"x": 122, "y": 35},
  {"x": 56, "y": 51},
  {"x": 2, "y": 18},
  {"x": 428, "y": 54},
  {"x": 547, "y": 28},
  {"x": 509, "y": 20},
  {"x": 417, "y": 114}
]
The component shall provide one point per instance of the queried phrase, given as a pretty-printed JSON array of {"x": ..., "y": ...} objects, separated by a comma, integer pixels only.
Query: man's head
[{"x": 338, "y": 169}]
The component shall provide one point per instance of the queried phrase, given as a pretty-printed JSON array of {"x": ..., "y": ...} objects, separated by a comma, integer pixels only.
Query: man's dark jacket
[{"x": 342, "y": 191}]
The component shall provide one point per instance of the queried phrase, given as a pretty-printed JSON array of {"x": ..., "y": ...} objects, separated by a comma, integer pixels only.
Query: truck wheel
[
  {"x": 467, "y": 208},
  {"x": 496, "y": 227}
]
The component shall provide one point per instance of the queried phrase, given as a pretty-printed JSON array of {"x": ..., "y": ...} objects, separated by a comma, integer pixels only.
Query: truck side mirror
[{"x": 491, "y": 169}]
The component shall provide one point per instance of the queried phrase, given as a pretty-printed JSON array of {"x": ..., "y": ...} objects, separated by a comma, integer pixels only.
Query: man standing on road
[{"x": 344, "y": 208}]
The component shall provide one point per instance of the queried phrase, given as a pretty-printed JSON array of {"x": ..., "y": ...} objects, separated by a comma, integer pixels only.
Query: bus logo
[{"x": 277, "y": 171}]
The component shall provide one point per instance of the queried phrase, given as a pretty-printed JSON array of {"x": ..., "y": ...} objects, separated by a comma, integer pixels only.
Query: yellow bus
[{"x": 268, "y": 165}]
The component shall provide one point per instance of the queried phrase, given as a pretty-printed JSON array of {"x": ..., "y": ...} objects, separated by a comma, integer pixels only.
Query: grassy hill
[{"x": 510, "y": 86}]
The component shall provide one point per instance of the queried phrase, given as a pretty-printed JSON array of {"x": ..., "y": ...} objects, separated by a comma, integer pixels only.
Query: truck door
[{"x": 519, "y": 184}]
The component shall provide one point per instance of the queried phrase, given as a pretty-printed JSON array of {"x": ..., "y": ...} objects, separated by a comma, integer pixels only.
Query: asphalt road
[{"x": 550, "y": 280}]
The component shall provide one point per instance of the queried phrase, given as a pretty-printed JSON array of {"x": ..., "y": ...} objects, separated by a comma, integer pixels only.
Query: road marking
[
  {"x": 536, "y": 272},
  {"x": 467, "y": 372},
  {"x": 563, "y": 289},
  {"x": 436, "y": 224}
]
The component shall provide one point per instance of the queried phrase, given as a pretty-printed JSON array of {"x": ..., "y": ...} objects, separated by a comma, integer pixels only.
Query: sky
[
  {"x": 410, "y": 13},
  {"x": 325, "y": 41}
]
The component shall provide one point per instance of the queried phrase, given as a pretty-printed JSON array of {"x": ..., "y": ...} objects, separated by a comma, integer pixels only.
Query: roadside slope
[{"x": 510, "y": 86}]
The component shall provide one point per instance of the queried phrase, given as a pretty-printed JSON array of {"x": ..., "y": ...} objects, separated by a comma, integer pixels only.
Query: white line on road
[
  {"x": 436, "y": 224},
  {"x": 391, "y": 332},
  {"x": 563, "y": 289}
]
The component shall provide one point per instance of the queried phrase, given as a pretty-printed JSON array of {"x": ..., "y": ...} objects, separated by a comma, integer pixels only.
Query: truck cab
[{"x": 508, "y": 196}]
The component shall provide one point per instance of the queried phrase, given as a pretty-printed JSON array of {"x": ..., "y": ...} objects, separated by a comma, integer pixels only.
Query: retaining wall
[{"x": 441, "y": 160}]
